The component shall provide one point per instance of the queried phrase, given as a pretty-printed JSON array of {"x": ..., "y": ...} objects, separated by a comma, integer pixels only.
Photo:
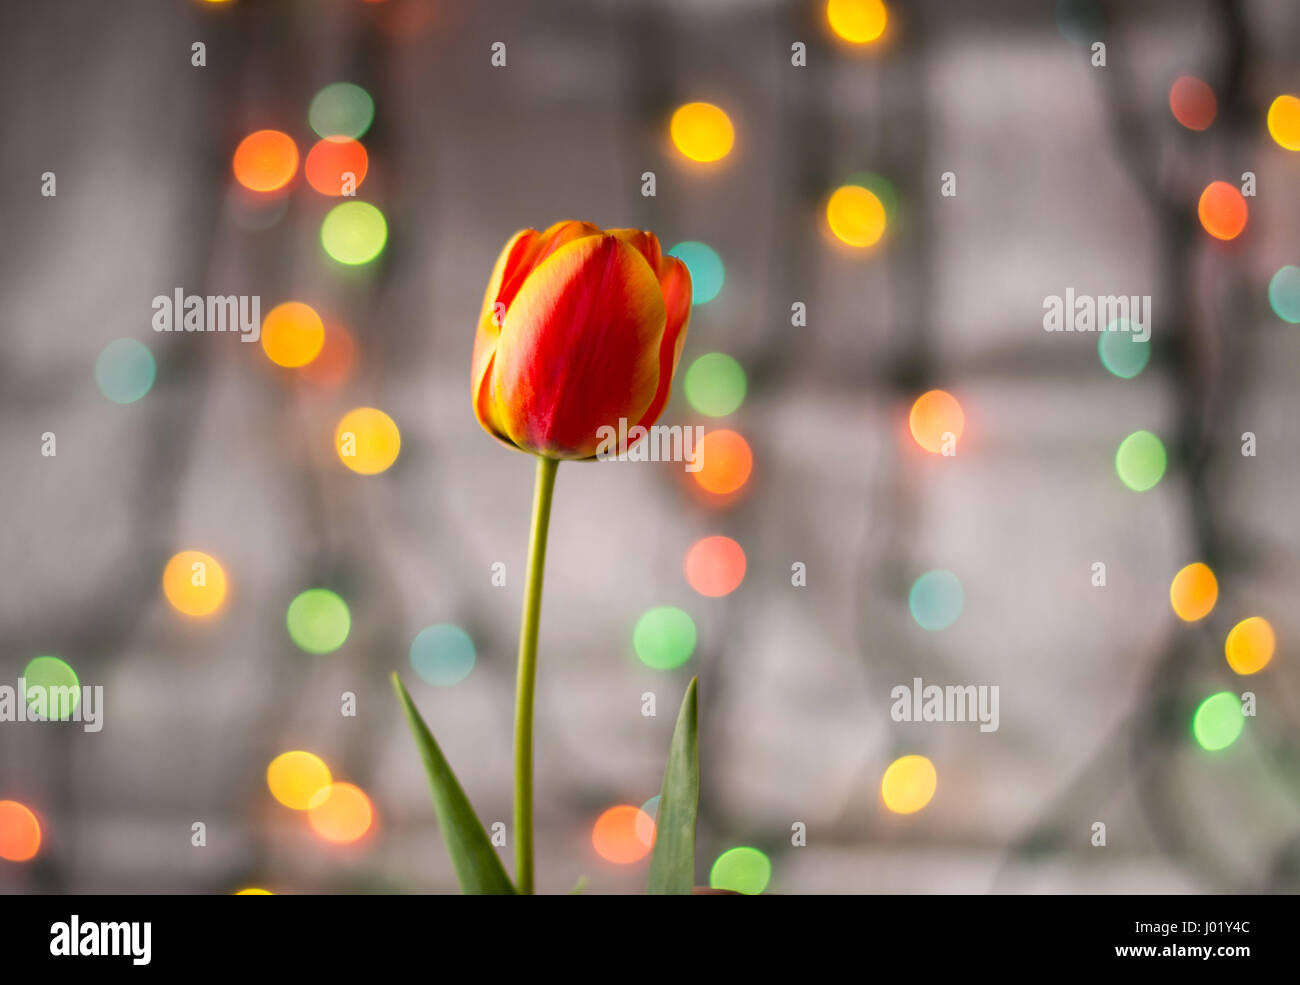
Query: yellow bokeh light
[
  {"x": 367, "y": 440},
  {"x": 292, "y": 334},
  {"x": 858, "y": 21},
  {"x": 254, "y": 891},
  {"x": 908, "y": 784},
  {"x": 856, "y": 216},
  {"x": 1284, "y": 121},
  {"x": 340, "y": 813},
  {"x": 296, "y": 777},
  {"x": 194, "y": 583},
  {"x": 702, "y": 131},
  {"x": 1250, "y": 645},
  {"x": 1193, "y": 592}
]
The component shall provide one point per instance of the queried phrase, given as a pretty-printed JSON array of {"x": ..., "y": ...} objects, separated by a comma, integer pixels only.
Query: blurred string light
[
  {"x": 20, "y": 832},
  {"x": 1222, "y": 210},
  {"x": 295, "y": 777},
  {"x": 442, "y": 654},
  {"x": 623, "y": 834},
  {"x": 908, "y": 784},
  {"x": 194, "y": 583},
  {"x": 1192, "y": 102},
  {"x": 1121, "y": 352},
  {"x": 125, "y": 370},
  {"x": 715, "y": 385},
  {"x": 318, "y": 620},
  {"x": 367, "y": 440},
  {"x": 292, "y": 334},
  {"x": 341, "y": 109},
  {"x": 715, "y": 566},
  {"x": 330, "y": 160},
  {"x": 340, "y": 813},
  {"x": 664, "y": 637},
  {"x": 856, "y": 216},
  {"x": 702, "y": 132},
  {"x": 354, "y": 233},
  {"x": 1284, "y": 121},
  {"x": 936, "y": 599},
  {"x": 1250, "y": 645},
  {"x": 934, "y": 416},
  {"x": 879, "y": 186},
  {"x": 333, "y": 365},
  {"x": 1218, "y": 721},
  {"x": 265, "y": 161},
  {"x": 742, "y": 870},
  {"x": 1140, "y": 461},
  {"x": 46, "y": 673},
  {"x": 706, "y": 269},
  {"x": 1193, "y": 592},
  {"x": 1284, "y": 294},
  {"x": 857, "y": 21},
  {"x": 725, "y": 462}
]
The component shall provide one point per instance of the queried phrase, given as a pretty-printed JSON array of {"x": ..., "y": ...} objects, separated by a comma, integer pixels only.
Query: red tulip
[{"x": 580, "y": 327}]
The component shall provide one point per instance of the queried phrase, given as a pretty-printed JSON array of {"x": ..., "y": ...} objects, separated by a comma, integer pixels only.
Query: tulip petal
[{"x": 675, "y": 281}]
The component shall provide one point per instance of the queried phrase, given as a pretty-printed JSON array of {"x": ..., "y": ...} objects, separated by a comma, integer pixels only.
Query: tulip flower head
[{"x": 580, "y": 327}]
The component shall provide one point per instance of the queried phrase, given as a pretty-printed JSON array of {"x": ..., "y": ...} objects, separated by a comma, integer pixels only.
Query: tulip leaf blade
[
  {"x": 672, "y": 868},
  {"x": 478, "y": 868}
]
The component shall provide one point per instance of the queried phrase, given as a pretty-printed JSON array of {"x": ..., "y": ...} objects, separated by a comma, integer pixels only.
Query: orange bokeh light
[
  {"x": 1222, "y": 210},
  {"x": 715, "y": 566},
  {"x": 725, "y": 462},
  {"x": 330, "y": 159},
  {"x": 1192, "y": 102},
  {"x": 292, "y": 334},
  {"x": 265, "y": 161},
  {"x": 340, "y": 813},
  {"x": 934, "y": 415},
  {"x": 623, "y": 834},
  {"x": 333, "y": 364},
  {"x": 20, "y": 832}
]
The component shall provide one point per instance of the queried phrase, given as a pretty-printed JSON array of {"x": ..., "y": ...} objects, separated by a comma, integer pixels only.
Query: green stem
[{"x": 527, "y": 679}]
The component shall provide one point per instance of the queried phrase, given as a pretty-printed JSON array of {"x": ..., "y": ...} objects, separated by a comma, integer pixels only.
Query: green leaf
[
  {"x": 672, "y": 869},
  {"x": 478, "y": 869}
]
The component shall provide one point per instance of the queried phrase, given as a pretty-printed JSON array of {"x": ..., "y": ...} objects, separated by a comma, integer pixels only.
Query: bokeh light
[
  {"x": 295, "y": 777},
  {"x": 1192, "y": 102},
  {"x": 194, "y": 583},
  {"x": 1250, "y": 645},
  {"x": 124, "y": 371},
  {"x": 1284, "y": 294},
  {"x": 1121, "y": 351},
  {"x": 742, "y": 870},
  {"x": 623, "y": 834},
  {"x": 715, "y": 385},
  {"x": 341, "y": 109},
  {"x": 1218, "y": 721},
  {"x": 706, "y": 269},
  {"x": 1140, "y": 461},
  {"x": 1284, "y": 121},
  {"x": 254, "y": 891},
  {"x": 367, "y": 440},
  {"x": 442, "y": 654},
  {"x": 934, "y": 416},
  {"x": 857, "y": 21},
  {"x": 59, "y": 689},
  {"x": 318, "y": 620},
  {"x": 340, "y": 813},
  {"x": 20, "y": 832},
  {"x": 1222, "y": 210},
  {"x": 725, "y": 462},
  {"x": 715, "y": 566},
  {"x": 292, "y": 334},
  {"x": 881, "y": 187},
  {"x": 331, "y": 160},
  {"x": 908, "y": 784},
  {"x": 1193, "y": 592},
  {"x": 702, "y": 132},
  {"x": 333, "y": 365},
  {"x": 936, "y": 599},
  {"x": 265, "y": 161},
  {"x": 664, "y": 637},
  {"x": 856, "y": 216},
  {"x": 354, "y": 233}
]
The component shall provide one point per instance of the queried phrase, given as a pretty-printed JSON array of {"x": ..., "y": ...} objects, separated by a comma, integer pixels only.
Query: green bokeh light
[
  {"x": 1120, "y": 352},
  {"x": 51, "y": 672},
  {"x": 341, "y": 109},
  {"x": 354, "y": 233},
  {"x": 742, "y": 870},
  {"x": 442, "y": 655},
  {"x": 715, "y": 384},
  {"x": 664, "y": 638},
  {"x": 1218, "y": 721},
  {"x": 1284, "y": 294},
  {"x": 936, "y": 599},
  {"x": 1140, "y": 461},
  {"x": 318, "y": 620},
  {"x": 125, "y": 370},
  {"x": 707, "y": 271}
]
